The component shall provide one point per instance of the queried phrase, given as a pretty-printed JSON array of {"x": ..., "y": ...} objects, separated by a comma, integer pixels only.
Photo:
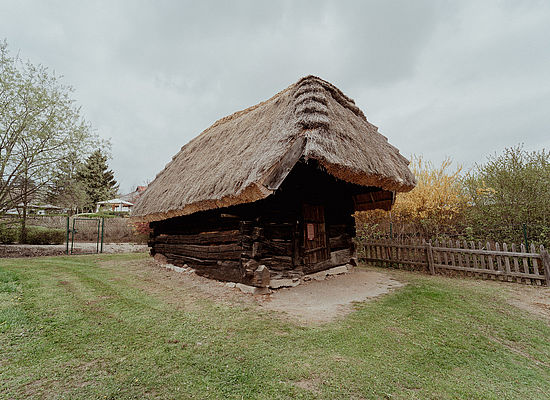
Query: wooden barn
[{"x": 269, "y": 192}]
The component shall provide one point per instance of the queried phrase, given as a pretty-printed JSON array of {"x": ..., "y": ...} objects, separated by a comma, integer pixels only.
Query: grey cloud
[{"x": 438, "y": 77}]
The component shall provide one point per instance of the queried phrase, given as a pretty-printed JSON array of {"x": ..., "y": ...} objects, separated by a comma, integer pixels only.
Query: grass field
[{"x": 114, "y": 327}]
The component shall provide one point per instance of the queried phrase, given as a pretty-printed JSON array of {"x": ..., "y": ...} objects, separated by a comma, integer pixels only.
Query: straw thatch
[{"x": 230, "y": 162}]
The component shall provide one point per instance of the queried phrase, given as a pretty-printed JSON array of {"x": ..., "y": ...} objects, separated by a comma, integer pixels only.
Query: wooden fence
[{"x": 512, "y": 264}]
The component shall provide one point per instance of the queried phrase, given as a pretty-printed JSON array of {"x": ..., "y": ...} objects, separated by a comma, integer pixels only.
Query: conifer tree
[{"x": 97, "y": 179}]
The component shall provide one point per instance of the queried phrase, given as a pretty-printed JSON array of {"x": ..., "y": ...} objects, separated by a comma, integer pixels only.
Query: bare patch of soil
[
  {"x": 311, "y": 302},
  {"x": 311, "y": 385},
  {"x": 324, "y": 301},
  {"x": 534, "y": 299}
]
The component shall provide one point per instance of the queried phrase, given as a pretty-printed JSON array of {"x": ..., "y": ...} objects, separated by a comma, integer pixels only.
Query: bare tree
[{"x": 40, "y": 125}]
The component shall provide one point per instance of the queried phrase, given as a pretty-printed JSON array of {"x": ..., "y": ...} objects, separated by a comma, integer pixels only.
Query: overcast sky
[{"x": 439, "y": 78}]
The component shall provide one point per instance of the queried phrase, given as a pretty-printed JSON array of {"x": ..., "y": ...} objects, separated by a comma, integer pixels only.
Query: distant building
[
  {"x": 133, "y": 196},
  {"x": 123, "y": 203},
  {"x": 37, "y": 209},
  {"x": 114, "y": 205}
]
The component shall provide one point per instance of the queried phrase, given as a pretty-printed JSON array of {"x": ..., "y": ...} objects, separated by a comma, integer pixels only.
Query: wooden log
[
  {"x": 496, "y": 273},
  {"x": 218, "y": 252},
  {"x": 415, "y": 263},
  {"x": 481, "y": 256},
  {"x": 282, "y": 168},
  {"x": 280, "y": 248},
  {"x": 256, "y": 250},
  {"x": 201, "y": 238},
  {"x": 467, "y": 260},
  {"x": 525, "y": 263},
  {"x": 437, "y": 254},
  {"x": 515, "y": 261},
  {"x": 532, "y": 249},
  {"x": 490, "y": 258},
  {"x": 498, "y": 257},
  {"x": 506, "y": 260},
  {"x": 458, "y": 254},
  {"x": 257, "y": 233},
  {"x": 474, "y": 256},
  {"x": 491, "y": 252},
  {"x": 261, "y": 276},
  {"x": 430, "y": 258},
  {"x": 277, "y": 263},
  {"x": 246, "y": 227},
  {"x": 545, "y": 257},
  {"x": 445, "y": 255}
]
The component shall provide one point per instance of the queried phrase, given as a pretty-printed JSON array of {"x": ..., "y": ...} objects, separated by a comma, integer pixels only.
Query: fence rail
[{"x": 489, "y": 261}]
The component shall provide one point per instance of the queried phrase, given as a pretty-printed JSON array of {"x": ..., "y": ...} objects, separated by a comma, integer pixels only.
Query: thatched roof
[{"x": 238, "y": 159}]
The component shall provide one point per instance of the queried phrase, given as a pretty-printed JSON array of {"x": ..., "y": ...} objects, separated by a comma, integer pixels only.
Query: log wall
[{"x": 232, "y": 243}]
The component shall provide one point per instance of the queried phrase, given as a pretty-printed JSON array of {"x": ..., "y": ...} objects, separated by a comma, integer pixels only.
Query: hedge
[{"x": 35, "y": 235}]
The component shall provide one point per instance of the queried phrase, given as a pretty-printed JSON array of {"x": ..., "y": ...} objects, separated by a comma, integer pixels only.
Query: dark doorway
[{"x": 315, "y": 237}]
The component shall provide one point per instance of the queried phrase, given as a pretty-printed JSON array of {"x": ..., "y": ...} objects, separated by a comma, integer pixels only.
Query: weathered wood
[
  {"x": 458, "y": 254},
  {"x": 499, "y": 273},
  {"x": 218, "y": 252},
  {"x": 506, "y": 259},
  {"x": 256, "y": 250},
  {"x": 524, "y": 260},
  {"x": 280, "y": 248},
  {"x": 490, "y": 254},
  {"x": 201, "y": 238},
  {"x": 281, "y": 170},
  {"x": 474, "y": 256},
  {"x": 545, "y": 257},
  {"x": 470, "y": 260},
  {"x": 430, "y": 257},
  {"x": 481, "y": 256},
  {"x": 487, "y": 252},
  {"x": 261, "y": 276},
  {"x": 534, "y": 261},
  {"x": 277, "y": 263},
  {"x": 421, "y": 264},
  {"x": 498, "y": 257}
]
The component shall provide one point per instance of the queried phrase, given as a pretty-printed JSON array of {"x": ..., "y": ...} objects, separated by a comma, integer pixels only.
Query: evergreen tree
[{"x": 98, "y": 181}]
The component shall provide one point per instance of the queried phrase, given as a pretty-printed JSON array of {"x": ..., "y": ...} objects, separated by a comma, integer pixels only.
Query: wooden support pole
[
  {"x": 430, "y": 258},
  {"x": 546, "y": 264}
]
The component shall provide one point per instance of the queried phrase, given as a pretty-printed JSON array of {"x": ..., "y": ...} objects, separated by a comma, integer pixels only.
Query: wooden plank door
[{"x": 315, "y": 238}]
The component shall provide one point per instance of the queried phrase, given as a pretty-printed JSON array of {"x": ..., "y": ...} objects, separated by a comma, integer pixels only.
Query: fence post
[
  {"x": 546, "y": 264},
  {"x": 430, "y": 257}
]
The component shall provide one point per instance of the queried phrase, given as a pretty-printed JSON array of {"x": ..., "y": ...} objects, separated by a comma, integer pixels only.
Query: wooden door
[{"x": 315, "y": 237}]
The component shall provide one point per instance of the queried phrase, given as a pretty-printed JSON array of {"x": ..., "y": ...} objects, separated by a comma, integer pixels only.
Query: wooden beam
[{"x": 283, "y": 167}]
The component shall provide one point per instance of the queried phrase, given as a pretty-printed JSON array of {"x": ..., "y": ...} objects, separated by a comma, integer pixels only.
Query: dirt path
[
  {"x": 30, "y": 250},
  {"x": 535, "y": 300},
  {"x": 324, "y": 301}
]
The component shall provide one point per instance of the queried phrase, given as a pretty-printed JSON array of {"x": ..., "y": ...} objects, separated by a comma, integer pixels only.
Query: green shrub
[
  {"x": 8, "y": 234},
  {"x": 42, "y": 235},
  {"x": 105, "y": 214}
]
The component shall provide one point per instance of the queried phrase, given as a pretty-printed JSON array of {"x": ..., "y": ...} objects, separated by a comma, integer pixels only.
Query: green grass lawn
[{"x": 112, "y": 326}]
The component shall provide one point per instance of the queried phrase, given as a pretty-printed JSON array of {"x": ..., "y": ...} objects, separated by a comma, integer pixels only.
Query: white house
[{"x": 114, "y": 205}]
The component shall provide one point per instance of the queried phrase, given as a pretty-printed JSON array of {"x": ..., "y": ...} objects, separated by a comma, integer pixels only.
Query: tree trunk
[{"x": 23, "y": 238}]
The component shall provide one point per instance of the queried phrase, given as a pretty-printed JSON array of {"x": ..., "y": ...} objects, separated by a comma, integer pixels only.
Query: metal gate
[{"x": 92, "y": 227}]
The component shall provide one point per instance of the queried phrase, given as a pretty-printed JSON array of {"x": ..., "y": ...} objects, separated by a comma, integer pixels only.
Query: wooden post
[
  {"x": 546, "y": 264},
  {"x": 430, "y": 258}
]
